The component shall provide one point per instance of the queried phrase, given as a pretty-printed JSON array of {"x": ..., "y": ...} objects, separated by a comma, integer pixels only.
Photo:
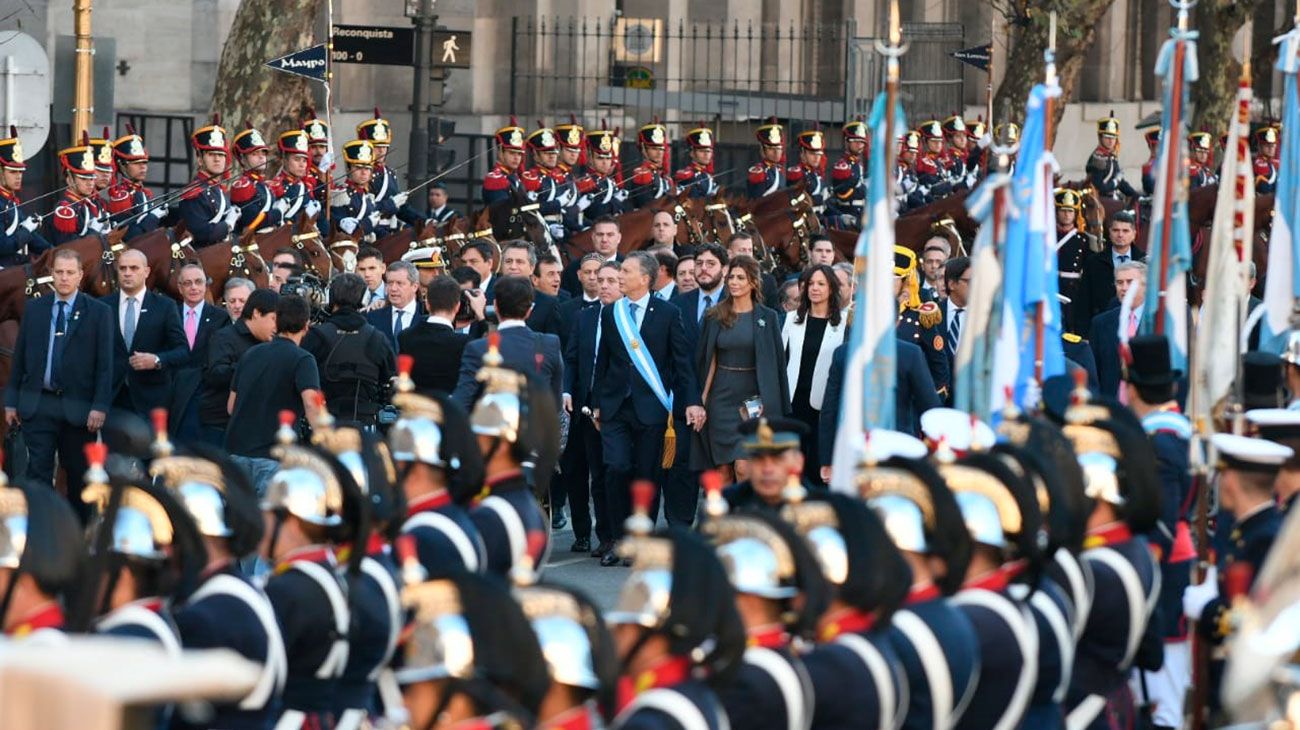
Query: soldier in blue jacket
[
  {"x": 205, "y": 206},
  {"x": 20, "y": 236}
]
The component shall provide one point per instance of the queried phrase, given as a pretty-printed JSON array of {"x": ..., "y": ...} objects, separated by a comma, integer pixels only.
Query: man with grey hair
[
  {"x": 844, "y": 278},
  {"x": 1103, "y": 334},
  {"x": 518, "y": 258},
  {"x": 1096, "y": 291},
  {"x": 402, "y": 287},
  {"x": 199, "y": 321},
  {"x": 235, "y": 293},
  {"x": 643, "y": 368}
]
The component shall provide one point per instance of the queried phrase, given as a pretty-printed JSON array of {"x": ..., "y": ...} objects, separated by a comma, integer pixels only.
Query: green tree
[{"x": 1218, "y": 22}]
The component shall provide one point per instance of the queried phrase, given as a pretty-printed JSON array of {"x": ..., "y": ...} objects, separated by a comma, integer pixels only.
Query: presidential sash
[{"x": 644, "y": 363}]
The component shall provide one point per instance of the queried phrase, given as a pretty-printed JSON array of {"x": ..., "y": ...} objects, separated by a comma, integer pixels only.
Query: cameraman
[
  {"x": 356, "y": 363},
  {"x": 286, "y": 263},
  {"x": 474, "y": 313}
]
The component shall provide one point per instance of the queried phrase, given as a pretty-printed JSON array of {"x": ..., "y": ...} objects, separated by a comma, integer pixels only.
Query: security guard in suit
[
  {"x": 440, "y": 470},
  {"x": 599, "y": 192},
  {"x": 205, "y": 206},
  {"x": 849, "y": 175},
  {"x": 352, "y": 206},
  {"x": 305, "y": 503},
  {"x": 675, "y": 625},
  {"x": 515, "y": 420},
  {"x": 504, "y": 175},
  {"x": 920, "y": 323},
  {"x": 770, "y": 687},
  {"x": 650, "y": 180},
  {"x": 20, "y": 235},
  {"x": 471, "y": 659},
  {"x": 1103, "y": 164},
  {"x": 128, "y": 198},
  {"x": 384, "y": 186},
  {"x": 697, "y": 175},
  {"x": 76, "y": 214},
  {"x": 811, "y": 169},
  {"x": 925, "y": 524},
  {"x": 1073, "y": 245},
  {"x": 225, "y": 610},
  {"x": 856, "y": 675},
  {"x": 1247, "y": 468},
  {"x": 768, "y": 175}
]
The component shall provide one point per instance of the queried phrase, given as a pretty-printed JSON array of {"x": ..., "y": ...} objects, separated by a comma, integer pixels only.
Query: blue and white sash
[{"x": 625, "y": 323}]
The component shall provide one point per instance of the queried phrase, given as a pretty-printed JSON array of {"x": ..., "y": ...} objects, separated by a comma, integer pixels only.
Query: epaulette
[
  {"x": 243, "y": 190},
  {"x": 642, "y": 176},
  {"x": 794, "y": 173},
  {"x": 340, "y": 196},
  {"x": 1071, "y": 338},
  {"x": 586, "y": 184},
  {"x": 929, "y": 314},
  {"x": 119, "y": 199},
  {"x": 757, "y": 174},
  {"x": 496, "y": 181},
  {"x": 65, "y": 218},
  {"x": 193, "y": 192},
  {"x": 684, "y": 174},
  {"x": 276, "y": 186},
  {"x": 842, "y": 170},
  {"x": 531, "y": 180},
  {"x": 926, "y": 164}
]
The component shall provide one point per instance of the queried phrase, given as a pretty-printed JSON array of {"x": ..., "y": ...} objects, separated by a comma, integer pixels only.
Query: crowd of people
[{"x": 359, "y": 491}]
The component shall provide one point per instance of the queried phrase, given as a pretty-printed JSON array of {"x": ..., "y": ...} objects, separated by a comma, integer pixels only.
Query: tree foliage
[
  {"x": 249, "y": 91},
  {"x": 1218, "y": 22}
]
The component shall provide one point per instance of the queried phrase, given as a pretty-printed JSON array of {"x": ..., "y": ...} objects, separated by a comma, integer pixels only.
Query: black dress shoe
[
  {"x": 558, "y": 520},
  {"x": 581, "y": 545},
  {"x": 601, "y": 549},
  {"x": 610, "y": 558}
]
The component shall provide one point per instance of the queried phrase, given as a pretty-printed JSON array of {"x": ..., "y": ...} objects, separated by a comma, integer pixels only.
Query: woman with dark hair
[
  {"x": 742, "y": 364},
  {"x": 810, "y": 338}
]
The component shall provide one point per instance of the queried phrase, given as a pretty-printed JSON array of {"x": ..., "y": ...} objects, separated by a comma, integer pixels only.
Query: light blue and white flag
[
  {"x": 978, "y": 386},
  {"x": 870, "y": 375},
  {"x": 1282, "y": 286},
  {"x": 1169, "y": 249}
]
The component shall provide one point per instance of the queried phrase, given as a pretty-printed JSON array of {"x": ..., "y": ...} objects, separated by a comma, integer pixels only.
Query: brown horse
[
  {"x": 912, "y": 228},
  {"x": 304, "y": 236},
  {"x": 634, "y": 227},
  {"x": 783, "y": 236}
]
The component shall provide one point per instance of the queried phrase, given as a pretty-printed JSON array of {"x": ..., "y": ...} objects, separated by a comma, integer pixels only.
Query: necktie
[
  {"x": 1132, "y": 324},
  {"x": 128, "y": 327},
  {"x": 708, "y": 302},
  {"x": 191, "y": 326},
  {"x": 56, "y": 347},
  {"x": 397, "y": 323},
  {"x": 634, "y": 307},
  {"x": 954, "y": 329},
  {"x": 1123, "y": 259}
]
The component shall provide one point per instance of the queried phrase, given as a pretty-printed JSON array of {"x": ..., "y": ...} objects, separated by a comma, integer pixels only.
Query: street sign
[
  {"x": 979, "y": 56},
  {"x": 373, "y": 44},
  {"x": 309, "y": 62},
  {"x": 451, "y": 48}
]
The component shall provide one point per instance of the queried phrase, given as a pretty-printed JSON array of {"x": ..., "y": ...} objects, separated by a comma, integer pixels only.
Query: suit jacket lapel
[{"x": 74, "y": 317}]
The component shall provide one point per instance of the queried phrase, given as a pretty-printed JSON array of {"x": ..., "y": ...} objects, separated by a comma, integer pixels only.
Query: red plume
[
  {"x": 376, "y": 112},
  {"x": 216, "y": 119},
  {"x": 85, "y": 138}
]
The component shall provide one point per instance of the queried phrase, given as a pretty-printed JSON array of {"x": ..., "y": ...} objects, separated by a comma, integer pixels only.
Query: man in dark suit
[
  {"x": 956, "y": 278},
  {"x": 710, "y": 270},
  {"x": 199, "y": 321},
  {"x": 1103, "y": 335},
  {"x": 583, "y": 462},
  {"x": 520, "y": 346},
  {"x": 518, "y": 258},
  {"x": 150, "y": 343},
  {"x": 60, "y": 387},
  {"x": 606, "y": 235},
  {"x": 630, "y": 414},
  {"x": 588, "y": 268},
  {"x": 404, "y": 308},
  {"x": 915, "y": 395},
  {"x": 434, "y": 344},
  {"x": 1096, "y": 292}
]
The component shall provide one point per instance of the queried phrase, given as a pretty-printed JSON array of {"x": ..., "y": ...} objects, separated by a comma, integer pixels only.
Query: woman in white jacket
[{"x": 810, "y": 335}]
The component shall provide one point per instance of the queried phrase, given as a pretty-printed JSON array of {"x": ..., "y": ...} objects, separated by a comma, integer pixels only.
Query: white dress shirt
[
  {"x": 408, "y": 316},
  {"x": 121, "y": 312},
  {"x": 641, "y": 305}
]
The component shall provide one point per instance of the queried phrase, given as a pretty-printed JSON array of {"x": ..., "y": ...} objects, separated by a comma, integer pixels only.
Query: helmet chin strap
[
  {"x": 632, "y": 653},
  {"x": 14, "y": 575},
  {"x": 275, "y": 535}
]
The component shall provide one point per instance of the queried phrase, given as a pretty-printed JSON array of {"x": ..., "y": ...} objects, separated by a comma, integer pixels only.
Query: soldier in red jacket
[
  {"x": 768, "y": 176},
  {"x": 504, "y": 174},
  {"x": 1266, "y": 165},
  {"x": 650, "y": 179}
]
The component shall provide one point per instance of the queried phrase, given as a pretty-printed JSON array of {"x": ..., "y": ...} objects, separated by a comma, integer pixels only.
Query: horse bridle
[
  {"x": 300, "y": 240},
  {"x": 239, "y": 257},
  {"x": 805, "y": 224}
]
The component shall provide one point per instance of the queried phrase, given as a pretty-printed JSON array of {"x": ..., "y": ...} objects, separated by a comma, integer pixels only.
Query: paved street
[{"x": 581, "y": 571}]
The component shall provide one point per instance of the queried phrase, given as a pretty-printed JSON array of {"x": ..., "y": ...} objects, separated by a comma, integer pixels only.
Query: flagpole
[
  {"x": 1173, "y": 161},
  {"x": 892, "y": 52},
  {"x": 1040, "y": 311}
]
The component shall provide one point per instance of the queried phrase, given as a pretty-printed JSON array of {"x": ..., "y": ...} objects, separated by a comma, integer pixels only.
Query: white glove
[
  {"x": 31, "y": 223},
  {"x": 96, "y": 225},
  {"x": 326, "y": 161},
  {"x": 348, "y": 225},
  {"x": 282, "y": 206},
  {"x": 1197, "y": 597},
  {"x": 232, "y": 216},
  {"x": 312, "y": 208},
  {"x": 584, "y": 203},
  {"x": 1033, "y": 394},
  {"x": 557, "y": 230},
  {"x": 159, "y": 212},
  {"x": 621, "y": 194},
  {"x": 374, "y": 218},
  {"x": 532, "y": 195},
  {"x": 400, "y": 199}
]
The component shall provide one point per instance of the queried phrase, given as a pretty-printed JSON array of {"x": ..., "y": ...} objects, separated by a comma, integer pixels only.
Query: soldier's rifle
[{"x": 446, "y": 172}]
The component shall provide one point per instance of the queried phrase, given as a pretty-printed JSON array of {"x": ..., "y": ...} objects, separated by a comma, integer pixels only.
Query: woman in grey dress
[{"x": 741, "y": 363}]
